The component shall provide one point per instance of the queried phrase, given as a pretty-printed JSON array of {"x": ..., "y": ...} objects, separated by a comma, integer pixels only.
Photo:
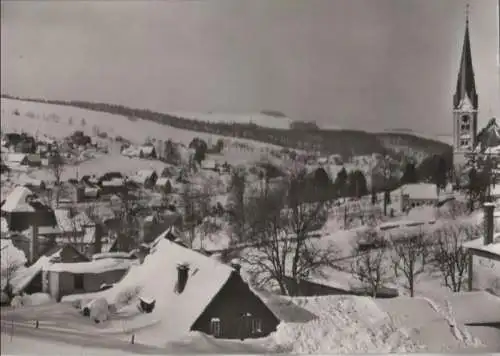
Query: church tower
[{"x": 465, "y": 105}]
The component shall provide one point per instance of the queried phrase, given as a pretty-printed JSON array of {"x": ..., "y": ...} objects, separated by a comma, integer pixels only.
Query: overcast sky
[{"x": 373, "y": 64}]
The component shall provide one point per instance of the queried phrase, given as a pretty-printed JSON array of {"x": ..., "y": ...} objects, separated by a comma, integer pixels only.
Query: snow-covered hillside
[{"x": 59, "y": 121}]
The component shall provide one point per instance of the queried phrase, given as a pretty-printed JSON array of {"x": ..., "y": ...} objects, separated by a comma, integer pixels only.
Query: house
[
  {"x": 22, "y": 210},
  {"x": 210, "y": 165},
  {"x": 147, "y": 151},
  {"x": 197, "y": 293},
  {"x": 16, "y": 159},
  {"x": 163, "y": 185},
  {"x": 122, "y": 243},
  {"x": 29, "y": 280},
  {"x": 145, "y": 178},
  {"x": 60, "y": 279},
  {"x": 113, "y": 186},
  {"x": 419, "y": 194},
  {"x": 34, "y": 160},
  {"x": 487, "y": 247},
  {"x": 72, "y": 273},
  {"x": 340, "y": 284}
]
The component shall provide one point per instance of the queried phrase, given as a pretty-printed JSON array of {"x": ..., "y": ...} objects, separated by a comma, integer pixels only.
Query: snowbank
[
  {"x": 345, "y": 324},
  {"x": 31, "y": 300}
]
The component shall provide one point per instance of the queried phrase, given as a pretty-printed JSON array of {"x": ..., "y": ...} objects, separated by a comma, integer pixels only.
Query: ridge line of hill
[{"x": 344, "y": 142}]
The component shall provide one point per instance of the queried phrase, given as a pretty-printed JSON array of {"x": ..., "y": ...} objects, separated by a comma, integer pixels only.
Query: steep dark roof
[
  {"x": 466, "y": 84},
  {"x": 490, "y": 135}
]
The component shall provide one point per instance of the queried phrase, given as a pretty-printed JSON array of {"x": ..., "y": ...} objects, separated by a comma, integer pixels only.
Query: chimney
[
  {"x": 182, "y": 277},
  {"x": 98, "y": 238},
  {"x": 34, "y": 243},
  {"x": 489, "y": 209},
  {"x": 235, "y": 264}
]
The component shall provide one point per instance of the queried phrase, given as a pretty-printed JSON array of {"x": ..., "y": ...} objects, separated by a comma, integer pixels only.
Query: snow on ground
[
  {"x": 251, "y": 118},
  {"x": 21, "y": 345},
  {"x": 344, "y": 325},
  {"x": 11, "y": 258},
  {"x": 108, "y": 163},
  {"x": 53, "y": 121}
]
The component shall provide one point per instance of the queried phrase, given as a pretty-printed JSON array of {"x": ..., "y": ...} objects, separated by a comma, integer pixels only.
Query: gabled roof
[
  {"x": 17, "y": 201},
  {"x": 489, "y": 137},
  {"x": 15, "y": 157},
  {"x": 157, "y": 277},
  {"x": 420, "y": 191}
]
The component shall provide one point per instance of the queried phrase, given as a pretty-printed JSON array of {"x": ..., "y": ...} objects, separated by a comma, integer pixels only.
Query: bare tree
[
  {"x": 237, "y": 204},
  {"x": 196, "y": 206},
  {"x": 56, "y": 167},
  {"x": 449, "y": 254},
  {"x": 385, "y": 173},
  {"x": 284, "y": 251},
  {"x": 371, "y": 265},
  {"x": 408, "y": 257}
]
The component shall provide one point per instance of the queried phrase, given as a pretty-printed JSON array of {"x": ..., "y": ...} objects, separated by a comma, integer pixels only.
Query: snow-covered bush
[
  {"x": 97, "y": 310},
  {"x": 30, "y": 300},
  {"x": 127, "y": 296}
]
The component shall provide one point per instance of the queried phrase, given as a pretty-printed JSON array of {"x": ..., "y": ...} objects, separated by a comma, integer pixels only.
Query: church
[{"x": 467, "y": 141}]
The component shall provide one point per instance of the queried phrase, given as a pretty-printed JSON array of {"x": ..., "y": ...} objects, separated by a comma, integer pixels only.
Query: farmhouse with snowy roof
[
  {"x": 419, "y": 194},
  {"x": 22, "y": 210},
  {"x": 196, "y": 293},
  {"x": 64, "y": 271}
]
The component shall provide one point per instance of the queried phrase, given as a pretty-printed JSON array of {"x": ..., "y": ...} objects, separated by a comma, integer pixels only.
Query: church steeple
[
  {"x": 465, "y": 105},
  {"x": 466, "y": 85}
]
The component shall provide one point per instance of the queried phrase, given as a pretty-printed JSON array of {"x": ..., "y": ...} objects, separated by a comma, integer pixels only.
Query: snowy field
[{"x": 61, "y": 121}]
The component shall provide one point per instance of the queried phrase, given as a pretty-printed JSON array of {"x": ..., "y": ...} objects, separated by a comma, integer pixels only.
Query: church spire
[{"x": 466, "y": 86}]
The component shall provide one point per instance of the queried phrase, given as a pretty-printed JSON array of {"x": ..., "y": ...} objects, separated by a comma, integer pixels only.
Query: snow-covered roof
[
  {"x": 95, "y": 267},
  {"x": 4, "y": 225},
  {"x": 91, "y": 192},
  {"x": 208, "y": 164},
  {"x": 478, "y": 244},
  {"x": 141, "y": 176},
  {"x": 100, "y": 256},
  {"x": 16, "y": 201},
  {"x": 24, "y": 277},
  {"x": 162, "y": 181},
  {"x": 15, "y": 157},
  {"x": 420, "y": 191},
  {"x": 10, "y": 257},
  {"x": 146, "y": 149},
  {"x": 177, "y": 311},
  {"x": 115, "y": 182}
]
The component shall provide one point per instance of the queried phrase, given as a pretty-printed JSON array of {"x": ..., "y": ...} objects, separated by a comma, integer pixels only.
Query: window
[
  {"x": 256, "y": 326},
  {"x": 464, "y": 143},
  {"x": 465, "y": 119},
  {"x": 78, "y": 281},
  {"x": 465, "y": 127},
  {"x": 215, "y": 329}
]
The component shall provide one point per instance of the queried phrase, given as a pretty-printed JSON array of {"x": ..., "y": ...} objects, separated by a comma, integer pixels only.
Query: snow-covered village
[{"x": 166, "y": 230}]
